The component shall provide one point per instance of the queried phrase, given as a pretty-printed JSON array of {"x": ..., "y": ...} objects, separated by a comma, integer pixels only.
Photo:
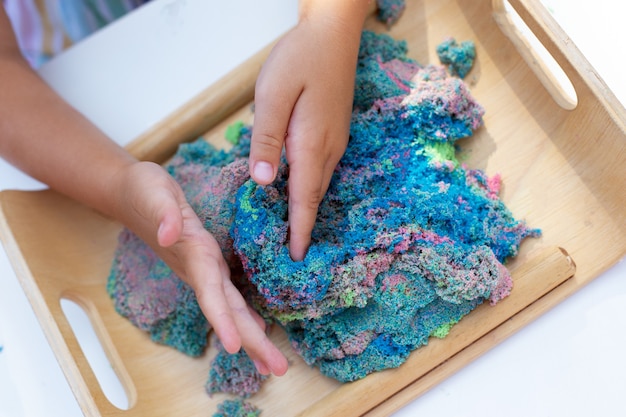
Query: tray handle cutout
[
  {"x": 98, "y": 351},
  {"x": 532, "y": 50}
]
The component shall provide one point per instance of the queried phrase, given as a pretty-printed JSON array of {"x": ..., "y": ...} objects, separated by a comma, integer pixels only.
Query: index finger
[
  {"x": 208, "y": 278},
  {"x": 274, "y": 99},
  {"x": 307, "y": 185}
]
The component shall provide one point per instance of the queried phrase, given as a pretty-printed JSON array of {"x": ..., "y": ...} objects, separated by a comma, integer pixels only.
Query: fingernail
[{"x": 263, "y": 172}]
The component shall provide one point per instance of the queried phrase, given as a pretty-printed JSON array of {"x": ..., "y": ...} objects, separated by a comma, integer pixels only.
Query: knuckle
[
  {"x": 310, "y": 200},
  {"x": 263, "y": 88},
  {"x": 315, "y": 198},
  {"x": 267, "y": 140}
]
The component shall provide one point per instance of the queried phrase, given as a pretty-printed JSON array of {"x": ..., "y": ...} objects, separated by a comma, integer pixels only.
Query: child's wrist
[{"x": 346, "y": 16}]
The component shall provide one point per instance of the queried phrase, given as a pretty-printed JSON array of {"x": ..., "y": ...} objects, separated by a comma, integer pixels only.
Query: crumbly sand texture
[
  {"x": 233, "y": 374},
  {"x": 407, "y": 241},
  {"x": 236, "y": 407},
  {"x": 459, "y": 57}
]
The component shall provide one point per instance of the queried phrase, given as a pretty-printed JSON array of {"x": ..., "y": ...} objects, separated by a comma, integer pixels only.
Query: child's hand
[
  {"x": 45, "y": 137},
  {"x": 303, "y": 100},
  {"x": 154, "y": 204}
]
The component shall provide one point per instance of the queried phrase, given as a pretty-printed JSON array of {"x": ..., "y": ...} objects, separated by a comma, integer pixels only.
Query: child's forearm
[{"x": 48, "y": 139}]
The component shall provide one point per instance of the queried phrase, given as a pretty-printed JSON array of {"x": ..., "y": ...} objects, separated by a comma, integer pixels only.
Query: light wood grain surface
[{"x": 555, "y": 176}]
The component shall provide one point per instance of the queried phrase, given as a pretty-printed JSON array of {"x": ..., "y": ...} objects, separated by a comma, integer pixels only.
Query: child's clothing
[{"x": 46, "y": 27}]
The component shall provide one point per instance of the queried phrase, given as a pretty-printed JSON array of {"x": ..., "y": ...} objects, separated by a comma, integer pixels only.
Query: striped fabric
[{"x": 46, "y": 27}]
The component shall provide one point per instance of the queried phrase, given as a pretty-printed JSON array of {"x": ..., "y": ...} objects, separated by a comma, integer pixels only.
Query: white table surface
[{"x": 569, "y": 362}]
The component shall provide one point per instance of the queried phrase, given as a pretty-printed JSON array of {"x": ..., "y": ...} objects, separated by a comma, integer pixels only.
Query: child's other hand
[
  {"x": 303, "y": 100},
  {"x": 154, "y": 205}
]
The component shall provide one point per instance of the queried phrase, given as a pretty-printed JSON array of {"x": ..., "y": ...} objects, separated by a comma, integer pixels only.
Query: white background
[{"x": 569, "y": 362}]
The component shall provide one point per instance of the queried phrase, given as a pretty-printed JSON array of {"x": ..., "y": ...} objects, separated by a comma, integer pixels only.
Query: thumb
[
  {"x": 265, "y": 150},
  {"x": 273, "y": 106},
  {"x": 170, "y": 221}
]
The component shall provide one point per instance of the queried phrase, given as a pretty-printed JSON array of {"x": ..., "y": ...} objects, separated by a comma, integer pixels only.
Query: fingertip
[
  {"x": 230, "y": 341},
  {"x": 275, "y": 360},
  {"x": 168, "y": 232},
  {"x": 298, "y": 247},
  {"x": 227, "y": 333},
  {"x": 280, "y": 366},
  {"x": 305, "y": 195},
  {"x": 273, "y": 363},
  {"x": 263, "y": 172},
  {"x": 300, "y": 228}
]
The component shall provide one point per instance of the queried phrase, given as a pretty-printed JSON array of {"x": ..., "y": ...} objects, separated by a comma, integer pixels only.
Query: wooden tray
[{"x": 561, "y": 160}]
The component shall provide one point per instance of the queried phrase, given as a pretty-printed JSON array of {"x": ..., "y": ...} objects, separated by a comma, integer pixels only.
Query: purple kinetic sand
[
  {"x": 144, "y": 288},
  {"x": 407, "y": 240},
  {"x": 153, "y": 298},
  {"x": 233, "y": 374}
]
